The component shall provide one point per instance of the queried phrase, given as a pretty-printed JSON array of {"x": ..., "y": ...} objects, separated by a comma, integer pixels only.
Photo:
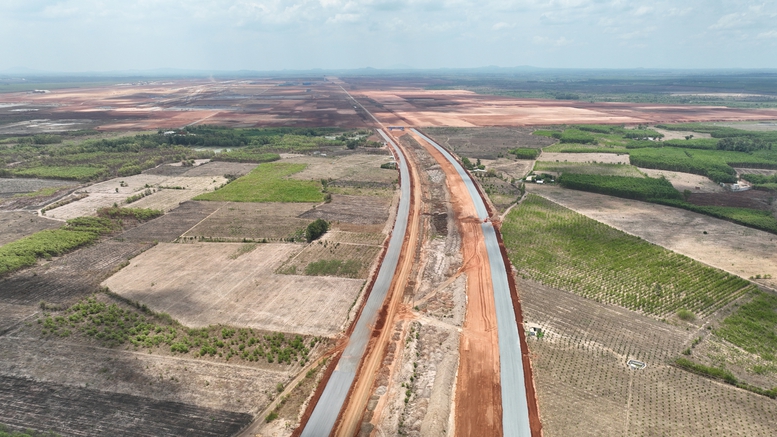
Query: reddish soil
[
  {"x": 478, "y": 408},
  {"x": 418, "y": 107},
  {"x": 272, "y": 102},
  {"x": 744, "y": 199},
  {"x": 351, "y": 416}
]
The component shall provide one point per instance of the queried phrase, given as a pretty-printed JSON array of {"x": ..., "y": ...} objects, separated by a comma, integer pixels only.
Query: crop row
[{"x": 563, "y": 249}]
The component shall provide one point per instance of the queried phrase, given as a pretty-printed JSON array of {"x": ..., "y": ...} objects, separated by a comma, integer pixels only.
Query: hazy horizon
[{"x": 72, "y": 36}]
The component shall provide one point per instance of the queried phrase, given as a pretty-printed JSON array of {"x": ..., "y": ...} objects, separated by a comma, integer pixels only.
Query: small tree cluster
[{"x": 316, "y": 229}]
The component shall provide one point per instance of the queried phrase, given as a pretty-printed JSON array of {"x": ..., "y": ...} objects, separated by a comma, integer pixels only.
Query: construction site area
[{"x": 281, "y": 263}]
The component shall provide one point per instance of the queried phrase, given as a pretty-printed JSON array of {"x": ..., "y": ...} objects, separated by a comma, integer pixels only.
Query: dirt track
[{"x": 478, "y": 408}]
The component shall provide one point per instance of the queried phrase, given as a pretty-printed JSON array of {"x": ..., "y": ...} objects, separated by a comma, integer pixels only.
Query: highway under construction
[{"x": 494, "y": 393}]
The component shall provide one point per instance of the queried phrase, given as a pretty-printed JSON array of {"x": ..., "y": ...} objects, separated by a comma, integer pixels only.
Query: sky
[{"x": 262, "y": 35}]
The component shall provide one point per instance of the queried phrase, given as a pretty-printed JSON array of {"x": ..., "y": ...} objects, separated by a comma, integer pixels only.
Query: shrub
[
  {"x": 686, "y": 315},
  {"x": 316, "y": 229}
]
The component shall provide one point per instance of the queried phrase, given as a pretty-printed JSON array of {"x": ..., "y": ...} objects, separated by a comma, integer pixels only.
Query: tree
[{"x": 316, "y": 229}]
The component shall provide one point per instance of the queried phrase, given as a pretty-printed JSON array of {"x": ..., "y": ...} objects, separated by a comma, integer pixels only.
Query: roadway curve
[
  {"x": 473, "y": 377},
  {"x": 324, "y": 417}
]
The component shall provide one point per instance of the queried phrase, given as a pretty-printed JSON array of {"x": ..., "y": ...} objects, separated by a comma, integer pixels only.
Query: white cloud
[{"x": 736, "y": 19}]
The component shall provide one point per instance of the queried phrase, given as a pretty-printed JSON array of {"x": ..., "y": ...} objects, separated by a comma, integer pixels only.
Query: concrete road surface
[{"x": 515, "y": 409}]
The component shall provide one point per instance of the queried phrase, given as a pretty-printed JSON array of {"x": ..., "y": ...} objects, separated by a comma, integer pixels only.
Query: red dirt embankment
[{"x": 478, "y": 409}]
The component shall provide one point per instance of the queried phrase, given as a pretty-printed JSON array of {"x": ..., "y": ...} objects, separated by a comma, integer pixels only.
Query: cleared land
[
  {"x": 737, "y": 249},
  {"x": 486, "y": 142},
  {"x": 558, "y": 168},
  {"x": 357, "y": 167},
  {"x": 398, "y": 105},
  {"x": 118, "y": 190},
  {"x": 583, "y": 356},
  {"x": 558, "y": 247},
  {"x": 685, "y": 181},
  {"x": 234, "y": 221},
  {"x": 202, "y": 284},
  {"x": 358, "y": 210},
  {"x": 20, "y": 186},
  {"x": 331, "y": 257},
  {"x": 15, "y": 225},
  {"x": 601, "y": 158}
]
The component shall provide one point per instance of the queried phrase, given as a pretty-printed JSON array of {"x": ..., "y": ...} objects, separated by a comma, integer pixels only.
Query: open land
[
  {"x": 200, "y": 285},
  {"x": 164, "y": 193},
  {"x": 742, "y": 251},
  {"x": 17, "y": 224},
  {"x": 319, "y": 102}
]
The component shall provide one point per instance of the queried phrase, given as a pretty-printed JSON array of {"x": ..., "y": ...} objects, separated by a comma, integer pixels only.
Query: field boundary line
[{"x": 198, "y": 223}]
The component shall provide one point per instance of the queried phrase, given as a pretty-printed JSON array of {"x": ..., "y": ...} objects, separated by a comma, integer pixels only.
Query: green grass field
[
  {"x": 753, "y": 327},
  {"x": 560, "y": 248},
  {"x": 268, "y": 183}
]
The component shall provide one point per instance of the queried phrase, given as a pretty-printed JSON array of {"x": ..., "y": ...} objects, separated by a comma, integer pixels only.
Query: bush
[
  {"x": 316, "y": 229},
  {"x": 686, "y": 315},
  {"x": 524, "y": 153}
]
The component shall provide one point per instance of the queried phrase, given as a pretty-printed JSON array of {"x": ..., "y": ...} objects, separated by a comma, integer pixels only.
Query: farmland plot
[
  {"x": 685, "y": 181},
  {"x": 742, "y": 251},
  {"x": 331, "y": 257},
  {"x": 583, "y": 355},
  {"x": 558, "y": 247},
  {"x": 202, "y": 284},
  {"x": 171, "y": 225},
  {"x": 15, "y": 225},
  {"x": 235, "y": 221},
  {"x": 220, "y": 168},
  {"x": 81, "y": 411},
  {"x": 357, "y": 167},
  {"x": 360, "y": 210},
  {"x": 69, "y": 277},
  {"x": 603, "y": 158},
  {"x": 587, "y": 168},
  {"x": 118, "y": 190}
]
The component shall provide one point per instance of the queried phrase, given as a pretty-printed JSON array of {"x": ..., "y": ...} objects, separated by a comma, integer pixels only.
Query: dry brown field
[
  {"x": 338, "y": 244},
  {"x": 320, "y": 102},
  {"x": 117, "y": 191},
  {"x": 203, "y": 284},
  {"x": 585, "y": 387},
  {"x": 358, "y": 167},
  {"x": 15, "y": 225},
  {"x": 601, "y": 158},
  {"x": 173, "y": 224},
  {"x": 736, "y": 249},
  {"x": 685, "y": 181},
  {"x": 487, "y": 142},
  {"x": 358, "y": 210},
  {"x": 234, "y": 221},
  {"x": 558, "y": 168}
]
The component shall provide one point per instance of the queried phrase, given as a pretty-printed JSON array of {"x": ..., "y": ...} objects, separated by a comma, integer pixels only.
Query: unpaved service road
[
  {"x": 736, "y": 249},
  {"x": 491, "y": 379}
]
